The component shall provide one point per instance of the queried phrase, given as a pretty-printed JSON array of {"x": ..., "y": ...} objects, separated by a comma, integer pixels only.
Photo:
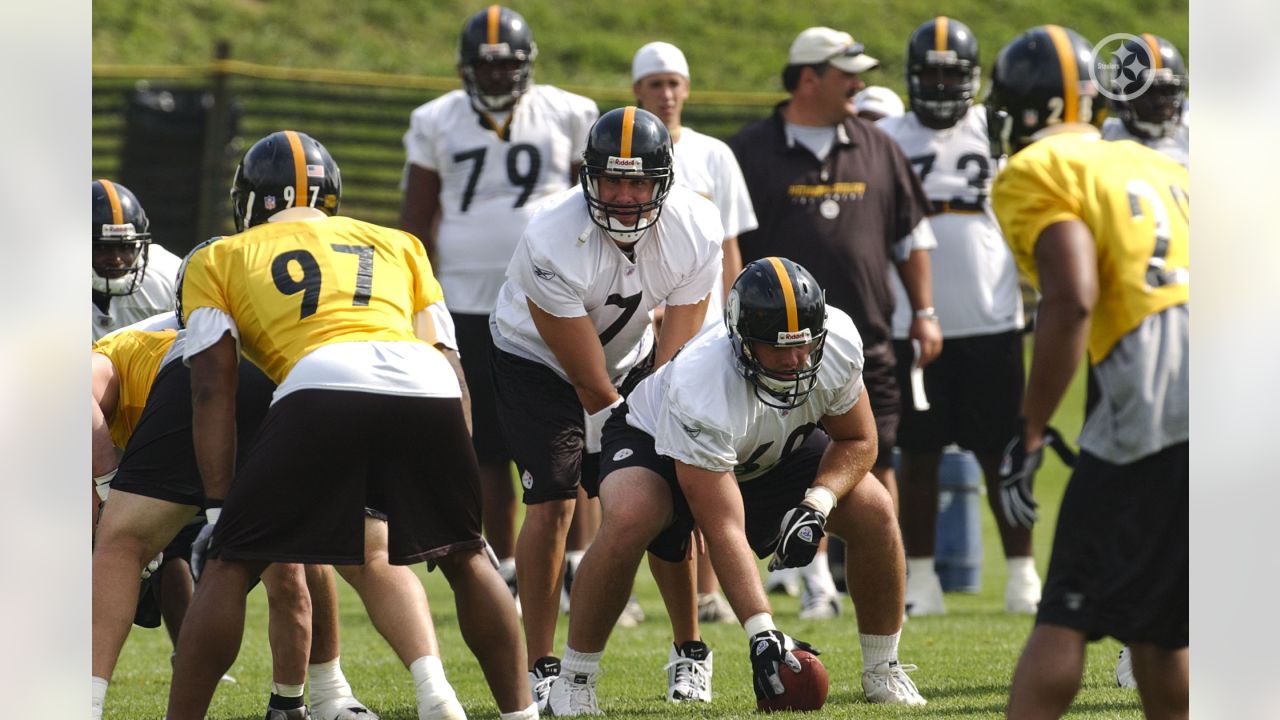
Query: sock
[
  {"x": 327, "y": 681},
  {"x": 1023, "y": 567},
  {"x": 878, "y": 649},
  {"x": 817, "y": 576},
  {"x": 99, "y": 696},
  {"x": 428, "y": 679},
  {"x": 580, "y": 662},
  {"x": 507, "y": 569},
  {"x": 284, "y": 696},
  {"x": 572, "y": 558},
  {"x": 529, "y": 713},
  {"x": 919, "y": 567}
]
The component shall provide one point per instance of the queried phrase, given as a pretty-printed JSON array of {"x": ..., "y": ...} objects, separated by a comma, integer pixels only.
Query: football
[{"x": 802, "y": 691}]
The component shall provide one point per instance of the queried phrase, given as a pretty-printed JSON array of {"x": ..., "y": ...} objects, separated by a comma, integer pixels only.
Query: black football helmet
[
  {"x": 1154, "y": 110},
  {"x": 943, "y": 74},
  {"x": 627, "y": 142},
  {"x": 121, "y": 239},
  {"x": 182, "y": 274},
  {"x": 283, "y": 170},
  {"x": 495, "y": 58},
  {"x": 1039, "y": 80},
  {"x": 777, "y": 302}
]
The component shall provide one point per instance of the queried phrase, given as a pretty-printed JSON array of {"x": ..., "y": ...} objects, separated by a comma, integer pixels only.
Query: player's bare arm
[
  {"x": 1067, "y": 265},
  {"x": 916, "y": 273},
  {"x": 214, "y": 377},
  {"x": 106, "y": 393},
  {"x": 679, "y": 324},
  {"x": 421, "y": 206},
  {"x": 852, "y": 451},
  {"x": 577, "y": 348}
]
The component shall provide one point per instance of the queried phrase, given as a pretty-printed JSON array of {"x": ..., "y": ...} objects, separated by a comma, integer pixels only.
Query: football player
[
  {"x": 572, "y": 334},
  {"x": 327, "y": 306},
  {"x": 1157, "y": 116},
  {"x": 132, "y": 276},
  {"x": 974, "y": 389},
  {"x": 726, "y": 436},
  {"x": 478, "y": 161},
  {"x": 1102, "y": 231}
]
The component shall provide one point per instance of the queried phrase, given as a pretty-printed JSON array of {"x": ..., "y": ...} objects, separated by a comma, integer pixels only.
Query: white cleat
[
  {"x": 820, "y": 606},
  {"x": 888, "y": 684},
  {"x": 1022, "y": 594},
  {"x": 343, "y": 707},
  {"x": 1124, "y": 670},
  {"x": 714, "y": 608},
  {"x": 785, "y": 581},
  {"x": 572, "y": 695},
  {"x": 545, "y": 671},
  {"x": 689, "y": 671},
  {"x": 632, "y": 615},
  {"x": 924, "y": 594},
  {"x": 440, "y": 708}
]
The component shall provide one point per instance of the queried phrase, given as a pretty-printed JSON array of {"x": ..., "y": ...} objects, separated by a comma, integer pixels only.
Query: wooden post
[{"x": 214, "y": 176}]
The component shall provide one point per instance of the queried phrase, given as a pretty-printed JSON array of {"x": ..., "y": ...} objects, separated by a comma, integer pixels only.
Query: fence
[{"x": 360, "y": 117}]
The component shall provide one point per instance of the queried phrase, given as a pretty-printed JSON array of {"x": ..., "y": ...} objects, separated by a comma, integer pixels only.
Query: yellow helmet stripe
[
  {"x": 495, "y": 13},
  {"x": 1153, "y": 45},
  {"x": 788, "y": 294},
  {"x": 940, "y": 33},
  {"x": 117, "y": 214},
  {"x": 299, "y": 169},
  {"x": 1070, "y": 73},
  {"x": 628, "y": 124}
]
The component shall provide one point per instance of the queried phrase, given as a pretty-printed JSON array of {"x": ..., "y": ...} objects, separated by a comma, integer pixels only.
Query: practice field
[{"x": 965, "y": 658}]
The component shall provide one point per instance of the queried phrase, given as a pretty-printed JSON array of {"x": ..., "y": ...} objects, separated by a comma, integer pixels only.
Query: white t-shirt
[
  {"x": 569, "y": 267},
  {"x": 975, "y": 281},
  {"x": 155, "y": 294},
  {"x": 701, "y": 411},
  {"x": 489, "y": 186},
  {"x": 1176, "y": 146}
]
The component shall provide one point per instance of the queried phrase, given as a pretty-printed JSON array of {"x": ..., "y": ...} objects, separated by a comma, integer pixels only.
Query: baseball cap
[
  {"x": 879, "y": 99},
  {"x": 824, "y": 45},
  {"x": 658, "y": 57}
]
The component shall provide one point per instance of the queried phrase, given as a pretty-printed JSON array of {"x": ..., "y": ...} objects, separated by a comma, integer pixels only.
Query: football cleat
[
  {"x": 820, "y": 606},
  {"x": 1022, "y": 594},
  {"x": 573, "y": 695},
  {"x": 298, "y": 713},
  {"x": 1124, "y": 670},
  {"x": 632, "y": 615},
  {"x": 888, "y": 684},
  {"x": 924, "y": 595},
  {"x": 343, "y": 707},
  {"x": 714, "y": 608},
  {"x": 689, "y": 670},
  {"x": 545, "y": 671},
  {"x": 783, "y": 582}
]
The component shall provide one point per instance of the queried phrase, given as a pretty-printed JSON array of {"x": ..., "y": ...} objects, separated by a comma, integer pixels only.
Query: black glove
[
  {"x": 1018, "y": 472},
  {"x": 802, "y": 529},
  {"x": 768, "y": 650}
]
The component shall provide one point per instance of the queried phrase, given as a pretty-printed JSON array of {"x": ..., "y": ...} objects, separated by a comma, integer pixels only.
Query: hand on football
[
  {"x": 769, "y": 649},
  {"x": 802, "y": 529},
  {"x": 1018, "y": 472}
]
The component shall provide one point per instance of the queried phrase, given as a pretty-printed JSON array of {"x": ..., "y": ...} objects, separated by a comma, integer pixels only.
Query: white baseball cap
[
  {"x": 658, "y": 57},
  {"x": 879, "y": 99},
  {"x": 824, "y": 45}
]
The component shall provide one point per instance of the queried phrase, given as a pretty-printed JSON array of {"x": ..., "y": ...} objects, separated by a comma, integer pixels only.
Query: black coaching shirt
[{"x": 840, "y": 217}]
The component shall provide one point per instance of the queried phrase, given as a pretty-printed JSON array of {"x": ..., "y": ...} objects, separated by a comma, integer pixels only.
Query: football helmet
[
  {"x": 121, "y": 239},
  {"x": 633, "y": 143},
  {"x": 182, "y": 274},
  {"x": 495, "y": 58},
  {"x": 943, "y": 74},
  {"x": 776, "y": 302},
  {"x": 1156, "y": 111},
  {"x": 283, "y": 170},
  {"x": 1039, "y": 80}
]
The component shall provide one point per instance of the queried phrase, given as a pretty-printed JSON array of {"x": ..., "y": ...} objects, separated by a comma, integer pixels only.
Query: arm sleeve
[{"x": 205, "y": 327}]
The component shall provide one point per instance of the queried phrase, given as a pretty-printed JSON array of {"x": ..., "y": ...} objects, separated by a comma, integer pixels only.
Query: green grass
[{"x": 966, "y": 657}]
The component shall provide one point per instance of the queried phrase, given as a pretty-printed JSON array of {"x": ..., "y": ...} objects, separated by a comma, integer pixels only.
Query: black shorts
[
  {"x": 475, "y": 344},
  {"x": 1120, "y": 552},
  {"x": 542, "y": 422},
  {"x": 878, "y": 375},
  {"x": 975, "y": 394},
  {"x": 322, "y": 456},
  {"x": 765, "y": 498},
  {"x": 160, "y": 459}
]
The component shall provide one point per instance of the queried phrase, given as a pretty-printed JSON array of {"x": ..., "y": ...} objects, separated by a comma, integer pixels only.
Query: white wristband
[
  {"x": 758, "y": 623},
  {"x": 211, "y": 515},
  {"x": 102, "y": 484},
  {"x": 821, "y": 499}
]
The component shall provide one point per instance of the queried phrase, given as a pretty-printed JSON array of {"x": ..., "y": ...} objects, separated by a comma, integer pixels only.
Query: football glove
[
  {"x": 802, "y": 529},
  {"x": 153, "y": 566},
  {"x": 769, "y": 649},
  {"x": 1018, "y": 472},
  {"x": 200, "y": 546}
]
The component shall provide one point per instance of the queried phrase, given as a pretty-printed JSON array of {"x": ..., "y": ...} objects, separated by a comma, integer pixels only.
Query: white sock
[
  {"x": 99, "y": 696},
  {"x": 429, "y": 680},
  {"x": 507, "y": 568},
  {"x": 529, "y": 713},
  {"x": 878, "y": 649},
  {"x": 573, "y": 557},
  {"x": 1023, "y": 567},
  {"x": 919, "y": 567},
  {"x": 285, "y": 690},
  {"x": 817, "y": 576},
  {"x": 327, "y": 681},
  {"x": 580, "y": 662}
]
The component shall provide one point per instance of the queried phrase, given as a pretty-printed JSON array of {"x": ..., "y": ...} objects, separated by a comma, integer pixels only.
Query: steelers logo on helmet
[
  {"x": 943, "y": 75},
  {"x": 121, "y": 239},
  {"x": 627, "y": 172},
  {"x": 284, "y": 170},
  {"x": 777, "y": 302},
  {"x": 495, "y": 58},
  {"x": 1039, "y": 81}
]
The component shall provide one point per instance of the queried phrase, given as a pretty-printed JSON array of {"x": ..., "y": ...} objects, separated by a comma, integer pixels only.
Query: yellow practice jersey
[
  {"x": 1134, "y": 200},
  {"x": 292, "y": 287},
  {"x": 136, "y": 356}
]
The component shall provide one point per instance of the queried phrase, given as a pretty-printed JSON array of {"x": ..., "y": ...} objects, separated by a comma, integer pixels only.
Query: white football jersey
[
  {"x": 1176, "y": 146},
  {"x": 707, "y": 166},
  {"x": 489, "y": 186},
  {"x": 155, "y": 294},
  {"x": 701, "y": 411},
  {"x": 569, "y": 267},
  {"x": 975, "y": 281}
]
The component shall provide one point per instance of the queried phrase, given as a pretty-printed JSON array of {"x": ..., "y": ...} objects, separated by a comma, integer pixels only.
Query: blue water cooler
[{"x": 957, "y": 552}]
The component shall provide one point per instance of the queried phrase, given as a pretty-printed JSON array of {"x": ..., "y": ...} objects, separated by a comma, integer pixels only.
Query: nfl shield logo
[{"x": 269, "y": 202}]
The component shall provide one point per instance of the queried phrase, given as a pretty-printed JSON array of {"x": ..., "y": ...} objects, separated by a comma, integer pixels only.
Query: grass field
[{"x": 966, "y": 658}]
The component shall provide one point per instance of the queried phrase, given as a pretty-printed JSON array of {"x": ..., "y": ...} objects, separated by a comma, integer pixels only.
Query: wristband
[
  {"x": 927, "y": 313},
  {"x": 102, "y": 484},
  {"x": 821, "y": 499},
  {"x": 758, "y": 623}
]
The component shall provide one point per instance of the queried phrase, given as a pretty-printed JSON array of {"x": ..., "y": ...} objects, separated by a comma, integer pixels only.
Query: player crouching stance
[{"x": 725, "y": 437}]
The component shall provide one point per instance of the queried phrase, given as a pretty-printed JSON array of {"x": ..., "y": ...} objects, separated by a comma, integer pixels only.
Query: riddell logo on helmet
[
  {"x": 633, "y": 164},
  {"x": 495, "y": 49},
  {"x": 125, "y": 230},
  {"x": 794, "y": 338}
]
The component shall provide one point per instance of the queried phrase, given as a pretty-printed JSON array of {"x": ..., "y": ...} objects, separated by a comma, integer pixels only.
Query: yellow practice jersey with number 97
[
  {"x": 1134, "y": 200},
  {"x": 295, "y": 286},
  {"x": 136, "y": 356}
]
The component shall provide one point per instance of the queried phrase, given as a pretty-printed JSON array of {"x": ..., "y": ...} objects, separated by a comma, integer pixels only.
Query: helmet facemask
[
  {"x": 495, "y": 84},
  {"x": 628, "y": 143},
  {"x": 785, "y": 390},
  {"x": 613, "y": 217},
  {"x": 1157, "y": 112},
  {"x": 942, "y": 93},
  {"x": 117, "y": 280}
]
